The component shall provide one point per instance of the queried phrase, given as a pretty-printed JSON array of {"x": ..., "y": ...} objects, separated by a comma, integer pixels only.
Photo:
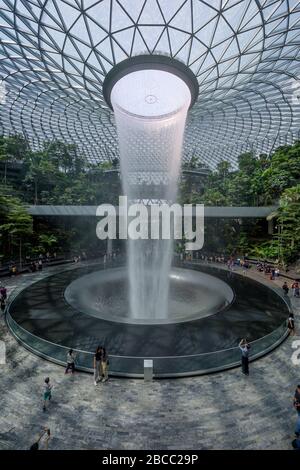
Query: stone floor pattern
[{"x": 220, "y": 411}]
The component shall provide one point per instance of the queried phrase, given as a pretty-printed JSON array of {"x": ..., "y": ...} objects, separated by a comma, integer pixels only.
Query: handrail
[{"x": 29, "y": 333}]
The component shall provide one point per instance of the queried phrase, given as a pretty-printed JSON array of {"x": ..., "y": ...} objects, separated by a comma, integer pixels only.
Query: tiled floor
[{"x": 220, "y": 411}]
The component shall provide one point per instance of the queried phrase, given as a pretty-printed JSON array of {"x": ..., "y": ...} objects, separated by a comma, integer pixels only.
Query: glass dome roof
[{"x": 55, "y": 54}]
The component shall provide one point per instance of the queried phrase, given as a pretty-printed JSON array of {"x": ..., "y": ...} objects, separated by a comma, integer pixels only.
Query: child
[{"x": 47, "y": 392}]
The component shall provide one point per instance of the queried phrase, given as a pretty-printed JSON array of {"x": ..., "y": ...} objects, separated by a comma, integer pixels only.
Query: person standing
[
  {"x": 97, "y": 364},
  {"x": 291, "y": 324},
  {"x": 104, "y": 365},
  {"x": 296, "y": 444},
  {"x": 47, "y": 392},
  {"x": 272, "y": 274},
  {"x": 296, "y": 401},
  {"x": 32, "y": 267},
  {"x": 297, "y": 428},
  {"x": 3, "y": 296},
  {"x": 14, "y": 270},
  {"x": 3, "y": 293},
  {"x": 285, "y": 288},
  {"x": 245, "y": 349},
  {"x": 70, "y": 362},
  {"x": 295, "y": 289}
]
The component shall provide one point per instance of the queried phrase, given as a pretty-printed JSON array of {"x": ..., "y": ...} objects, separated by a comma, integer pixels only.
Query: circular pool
[
  {"x": 210, "y": 310},
  {"x": 193, "y": 295}
]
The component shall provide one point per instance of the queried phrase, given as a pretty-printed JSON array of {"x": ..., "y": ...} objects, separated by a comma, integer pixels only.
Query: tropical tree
[
  {"x": 283, "y": 171},
  {"x": 42, "y": 174},
  {"x": 288, "y": 224},
  {"x": 15, "y": 223},
  {"x": 12, "y": 149}
]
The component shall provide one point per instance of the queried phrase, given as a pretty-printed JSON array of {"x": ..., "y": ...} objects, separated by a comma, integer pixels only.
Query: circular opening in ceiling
[
  {"x": 150, "y": 77},
  {"x": 150, "y": 94}
]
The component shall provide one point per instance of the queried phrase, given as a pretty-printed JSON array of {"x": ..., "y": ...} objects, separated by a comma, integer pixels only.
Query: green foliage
[
  {"x": 12, "y": 149},
  {"x": 15, "y": 222},
  {"x": 47, "y": 241},
  {"x": 214, "y": 197},
  {"x": 259, "y": 180},
  {"x": 59, "y": 174},
  {"x": 289, "y": 227},
  {"x": 193, "y": 164},
  {"x": 266, "y": 251},
  {"x": 283, "y": 171}
]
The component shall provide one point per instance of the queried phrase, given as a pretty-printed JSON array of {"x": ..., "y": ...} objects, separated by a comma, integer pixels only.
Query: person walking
[
  {"x": 104, "y": 365},
  {"x": 291, "y": 324},
  {"x": 43, "y": 439},
  {"x": 97, "y": 364},
  {"x": 47, "y": 392},
  {"x": 245, "y": 347},
  {"x": 70, "y": 362}
]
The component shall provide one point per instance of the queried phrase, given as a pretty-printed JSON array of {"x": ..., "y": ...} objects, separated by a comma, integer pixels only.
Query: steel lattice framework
[{"x": 55, "y": 54}]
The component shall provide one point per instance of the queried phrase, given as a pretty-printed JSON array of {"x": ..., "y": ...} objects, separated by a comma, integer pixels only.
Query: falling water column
[{"x": 150, "y": 109}]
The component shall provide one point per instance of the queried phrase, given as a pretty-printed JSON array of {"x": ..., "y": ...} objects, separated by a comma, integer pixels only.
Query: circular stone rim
[
  {"x": 229, "y": 298},
  {"x": 150, "y": 62}
]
